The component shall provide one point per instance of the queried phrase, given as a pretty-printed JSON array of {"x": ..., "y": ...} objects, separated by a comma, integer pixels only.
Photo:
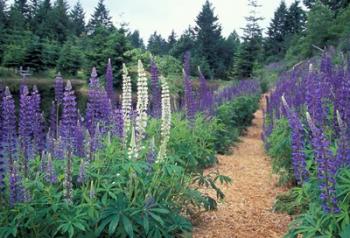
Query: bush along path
[{"x": 247, "y": 208}]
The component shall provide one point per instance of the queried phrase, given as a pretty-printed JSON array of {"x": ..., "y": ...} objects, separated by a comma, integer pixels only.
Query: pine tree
[
  {"x": 61, "y": 26},
  {"x": 157, "y": 44},
  {"x": 186, "y": 42},
  {"x": 43, "y": 20},
  {"x": 34, "y": 57},
  {"x": 78, "y": 19},
  {"x": 171, "y": 40},
  {"x": 136, "y": 40},
  {"x": 208, "y": 35},
  {"x": 100, "y": 18},
  {"x": 250, "y": 51},
  {"x": 335, "y": 5},
  {"x": 3, "y": 14},
  {"x": 277, "y": 33},
  {"x": 296, "y": 19}
]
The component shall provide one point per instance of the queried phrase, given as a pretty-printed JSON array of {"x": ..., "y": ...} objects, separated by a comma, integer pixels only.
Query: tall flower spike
[
  {"x": 8, "y": 153},
  {"x": 298, "y": 154},
  {"x": 69, "y": 122},
  {"x": 26, "y": 127},
  {"x": 126, "y": 100},
  {"x": 189, "y": 98},
  {"x": 50, "y": 171},
  {"x": 81, "y": 177},
  {"x": 166, "y": 120},
  {"x": 59, "y": 88},
  {"x": 343, "y": 148},
  {"x": 155, "y": 88},
  {"x": 142, "y": 103},
  {"x": 326, "y": 167},
  {"x": 133, "y": 149},
  {"x": 205, "y": 95},
  {"x": 93, "y": 110},
  {"x": 109, "y": 81}
]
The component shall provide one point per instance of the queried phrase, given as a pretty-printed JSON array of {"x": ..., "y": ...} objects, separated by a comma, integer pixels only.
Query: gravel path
[{"x": 247, "y": 208}]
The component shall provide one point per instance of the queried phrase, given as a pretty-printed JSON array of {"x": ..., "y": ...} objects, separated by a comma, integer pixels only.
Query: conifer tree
[
  {"x": 78, "y": 19},
  {"x": 250, "y": 51},
  {"x": 136, "y": 40},
  {"x": 100, "y": 18},
  {"x": 61, "y": 26}
]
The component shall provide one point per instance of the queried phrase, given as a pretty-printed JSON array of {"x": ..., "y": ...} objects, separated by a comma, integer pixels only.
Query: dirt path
[{"x": 247, "y": 208}]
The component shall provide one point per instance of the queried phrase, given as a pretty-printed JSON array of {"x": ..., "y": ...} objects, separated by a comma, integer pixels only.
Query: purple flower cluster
[
  {"x": 189, "y": 97},
  {"x": 325, "y": 95},
  {"x": 109, "y": 81}
]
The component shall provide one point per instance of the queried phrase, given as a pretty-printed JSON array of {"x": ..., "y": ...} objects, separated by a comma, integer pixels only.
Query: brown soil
[{"x": 247, "y": 208}]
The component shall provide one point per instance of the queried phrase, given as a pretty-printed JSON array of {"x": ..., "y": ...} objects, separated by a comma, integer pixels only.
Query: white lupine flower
[
  {"x": 166, "y": 120},
  {"x": 126, "y": 99},
  {"x": 142, "y": 102}
]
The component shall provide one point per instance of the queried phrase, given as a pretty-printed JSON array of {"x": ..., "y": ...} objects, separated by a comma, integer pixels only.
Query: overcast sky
[{"x": 164, "y": 16}]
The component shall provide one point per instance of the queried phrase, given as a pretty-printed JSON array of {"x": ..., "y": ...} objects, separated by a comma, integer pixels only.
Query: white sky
[{"x": 167, "y": 15}]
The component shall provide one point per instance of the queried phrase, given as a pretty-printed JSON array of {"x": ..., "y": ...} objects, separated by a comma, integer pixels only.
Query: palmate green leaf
[
  {"x": 345, "y": 233},
  {"x": 146, "y": 224},
  {"x": 113, "y": 224},
  {"x": 8, "y": 231},
  {"x": 127, "y": 226}
]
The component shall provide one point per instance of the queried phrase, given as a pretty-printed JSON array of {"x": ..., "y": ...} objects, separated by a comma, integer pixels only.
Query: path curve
[{"x": 247, "y": 208}]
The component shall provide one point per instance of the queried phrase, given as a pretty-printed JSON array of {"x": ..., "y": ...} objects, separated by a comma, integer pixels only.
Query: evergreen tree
[
  {"x": 78, "y": 19},
  {"x": 43, "y": 20},
  {"x": 100, "y": 18},
  {"x": 333, "y": 4},
  {"x": 209, "y": 39},
  {"x": 157, "y": 44},
  {"x": 3, "y": 23},
  {"x": 33, "y": 57},
  {"x": 70, "y": 58},
  {"x": 61, "y": 26},
  {"x": 186, "y": 42},
  {"x": 135, "y": 39},
  {"x": 171, "y": 40},
  {"x": 16, "y": 20},
  {"x": 277, "y": 33},
  {"x": 250, "y": 51},
  {"x": 296, "y": 19}
]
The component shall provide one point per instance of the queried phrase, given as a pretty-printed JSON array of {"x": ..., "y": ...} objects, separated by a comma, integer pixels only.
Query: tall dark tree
[
  {"x": 3, "y": 23},
  {"x": 157, "y": 44},
  {"x": 136, "y": 40},
  {"x": 43, "y": 20},
  {"x": 333, "y": 4},
  {"x": 296, "y": 18},
  {"x": 277, "y": 33},
  {"x": 78, "y": 19},
  {"x": 208, "y": 32},
  {"x": 100, "y": 18},
  {"x": 250, "y": 51},
  {"x": 61, "y": 26},
  {"x": 33, "y": 57},
  {"x": 186, "y": 42},
  {"x": 171, "y": 40}
]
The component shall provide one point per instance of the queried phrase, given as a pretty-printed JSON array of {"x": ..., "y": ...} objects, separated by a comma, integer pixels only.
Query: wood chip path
[{"x": 247, "y": 208}]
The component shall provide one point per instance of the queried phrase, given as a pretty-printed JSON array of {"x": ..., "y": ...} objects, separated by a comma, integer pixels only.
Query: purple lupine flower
[
  {"x": 43, "y": 162},
  {"x": 79, "y": 140},
  {"x": 50, "y": 174},
  {"x": 8, "y": 139},
  {"x": 69, "y": 117},
  {"x": 343, "y": 147},
  {"x": 326, "y": 168},
  {"x": 17, "y": 193},
  {"x": 105, "y": 111},
  {"x": 94, "y": 142},
  {"x": 59, "y": 149},
  {"x": 189, "y": 98},
  {"x": 205, "y": 95},
  {"x": 53, "y": 120},
  {"x": 9, "y": 129},
  {"x": 59, "y": 88},
  {"x": 93, "y": 114},
  {"x": 109, "y": 81},
  {"x": 155, "y": 91},
  {"x": 119, "y": 123},
  {"x": 81, "y": 177},
  {"x": 40, "y": 134},
  {"x": 69, "y": 122},
  {"x": 297, "y": 137},
  {"x": 26, "y": 127}
]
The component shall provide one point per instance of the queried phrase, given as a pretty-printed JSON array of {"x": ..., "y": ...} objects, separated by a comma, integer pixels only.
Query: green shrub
[{"x": 280, "y": 151}]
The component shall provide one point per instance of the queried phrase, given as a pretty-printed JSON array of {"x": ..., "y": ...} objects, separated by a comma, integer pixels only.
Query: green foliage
[
  {"x": 280, "y": 151},
  {"x": 70, "y": 58},
  {"x": 233, "y": 118},
  {"x": 314, "y": 222}
]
